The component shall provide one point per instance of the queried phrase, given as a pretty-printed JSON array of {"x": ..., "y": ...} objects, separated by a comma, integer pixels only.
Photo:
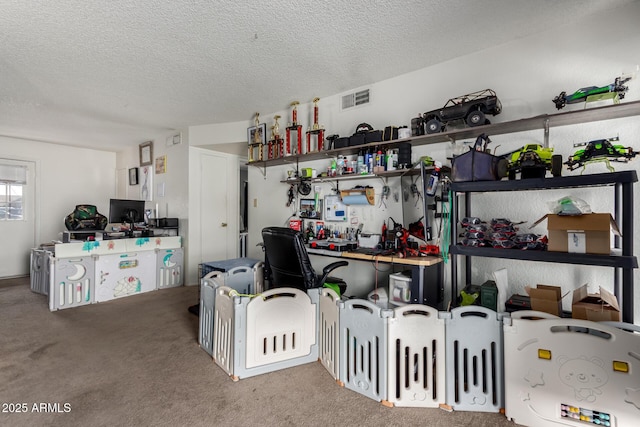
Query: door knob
[{"x": 224, "y": 224}]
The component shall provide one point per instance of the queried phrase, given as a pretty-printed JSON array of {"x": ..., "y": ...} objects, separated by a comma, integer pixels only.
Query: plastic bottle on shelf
[
  {"x": 432, "y": 186},
  {"x": 360, "y": 162},
  {"x": 368, "y": 161}
]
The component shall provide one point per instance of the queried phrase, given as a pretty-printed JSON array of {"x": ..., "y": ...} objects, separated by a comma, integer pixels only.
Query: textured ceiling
[{"x": 108, "y": 74}]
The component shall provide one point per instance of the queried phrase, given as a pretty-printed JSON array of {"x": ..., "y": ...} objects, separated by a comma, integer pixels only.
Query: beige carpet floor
[{"x": 136, "y": 362}]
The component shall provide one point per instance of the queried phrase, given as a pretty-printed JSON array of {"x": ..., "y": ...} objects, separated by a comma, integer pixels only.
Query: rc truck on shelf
[
  {"x": 600, "y": 150},
  {"x": 472, "y": 108},
  {"x": 533, "y": 161},
  {"x": 582, "y": 94}
]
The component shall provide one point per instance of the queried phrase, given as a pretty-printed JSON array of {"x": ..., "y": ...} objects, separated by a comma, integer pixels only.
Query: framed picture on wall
[
  {"x": 257, "y": 134},
  {"x": 146, "y": 181},
  {"x": 146, "y": 153},
  {"x": 161, "y": 164},
  {"x": 133, "y": 176}
]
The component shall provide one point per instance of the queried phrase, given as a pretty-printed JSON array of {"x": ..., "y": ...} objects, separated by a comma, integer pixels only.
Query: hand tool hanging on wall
[{"x": 291, "y": 194}]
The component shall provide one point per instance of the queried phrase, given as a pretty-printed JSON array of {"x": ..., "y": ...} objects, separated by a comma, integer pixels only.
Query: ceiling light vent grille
[{"x": 354, "y": 99}]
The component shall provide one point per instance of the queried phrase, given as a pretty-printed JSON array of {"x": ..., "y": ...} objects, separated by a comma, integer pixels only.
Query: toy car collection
[
  {"x": 582, "y": 94},
  {"x": 498, "y": 233},
  {"x": 533, "y": 160},
  {"x": 472, "y": 107},
  {"x": 600, "y": 150}
]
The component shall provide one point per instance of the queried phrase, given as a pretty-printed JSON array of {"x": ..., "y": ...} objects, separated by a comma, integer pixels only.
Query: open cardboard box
[
  {"x": 595, "y": 307},
  {"x": 546, "y": 298},
  {"x": 588, "y": 233}
]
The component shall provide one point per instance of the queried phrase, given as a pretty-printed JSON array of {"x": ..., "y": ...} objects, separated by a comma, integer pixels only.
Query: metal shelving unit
[{"x": 622, "y": 183}]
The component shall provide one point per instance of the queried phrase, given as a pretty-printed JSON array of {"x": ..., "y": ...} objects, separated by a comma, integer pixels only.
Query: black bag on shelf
[
  {"x": 341, "y": 142},
  {"x": 356, "y": 139},
  {"x": 477, "y": 164},
  {"x": 373, "y": 136},
  {"x": 390, "y": 133}
]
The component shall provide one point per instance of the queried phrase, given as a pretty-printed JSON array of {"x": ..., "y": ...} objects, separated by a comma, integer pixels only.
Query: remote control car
[
  {"x": 533, "y": 161},
  {"x": 581, "y": 94},
  {"x": 600, "y": 150},
  {"x": 472, "y": 108}
]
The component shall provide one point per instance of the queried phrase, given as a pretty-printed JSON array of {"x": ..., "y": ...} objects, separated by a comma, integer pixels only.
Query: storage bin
[
  {"x": 416, "y": 354},
  {"x": 475, "y": 367},
  {"x": 363, "y": 348},
  {"x": 571, "y": 372}
]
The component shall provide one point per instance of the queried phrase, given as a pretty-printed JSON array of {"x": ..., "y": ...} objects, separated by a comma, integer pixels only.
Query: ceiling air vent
[{"x": 355, "y": 99}]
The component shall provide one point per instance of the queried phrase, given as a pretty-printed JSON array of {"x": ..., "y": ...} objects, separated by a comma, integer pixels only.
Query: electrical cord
[{"x": 446, "y": 219}]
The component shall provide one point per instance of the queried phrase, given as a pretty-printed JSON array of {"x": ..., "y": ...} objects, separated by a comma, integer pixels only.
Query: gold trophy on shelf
[
  {"x": 255, "y": 141},
  {"x": 275, "y": 144},
  {"x": 295, "y": 127},
  {"x": 316, "y": 130}
]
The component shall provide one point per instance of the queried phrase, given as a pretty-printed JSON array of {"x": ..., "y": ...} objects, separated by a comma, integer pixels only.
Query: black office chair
[{"x": 287, "y": 262}]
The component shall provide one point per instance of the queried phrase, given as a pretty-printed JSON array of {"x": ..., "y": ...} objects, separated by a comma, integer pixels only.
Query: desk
[{"x": 424, "y": 270}]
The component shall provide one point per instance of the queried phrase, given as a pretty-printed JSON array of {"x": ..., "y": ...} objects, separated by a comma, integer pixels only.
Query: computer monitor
[{"x": 129, "y": 211}]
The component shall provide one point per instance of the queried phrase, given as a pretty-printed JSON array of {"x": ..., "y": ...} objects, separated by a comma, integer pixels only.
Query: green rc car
[
  {"x": 600, "y": 150},
  {"x": 533, "y": 161},
  {"x": 581, "y": 95}
]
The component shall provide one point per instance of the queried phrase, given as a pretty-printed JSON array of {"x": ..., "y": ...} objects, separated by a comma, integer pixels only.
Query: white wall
[
  {"x": 65, "y": 177},
  {"x": 526, "y": 74},
  {"x": 175, "y": 202}
]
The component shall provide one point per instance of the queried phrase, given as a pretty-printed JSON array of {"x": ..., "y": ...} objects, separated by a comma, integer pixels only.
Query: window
[
  {"x": 10, "y": 201},
  {"x": 12, "y": 179}
]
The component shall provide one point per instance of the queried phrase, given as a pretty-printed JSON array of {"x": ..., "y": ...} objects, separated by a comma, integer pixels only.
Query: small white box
[{"x": 400, "y": 288}]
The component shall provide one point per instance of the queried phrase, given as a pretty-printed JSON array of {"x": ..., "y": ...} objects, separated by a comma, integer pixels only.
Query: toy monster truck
[
  {"x": 600, "y": 150},
  {"x": 533, "y": 161},
  {"x": 581, "y": 94},
  {"x": 472, "y": 107}
]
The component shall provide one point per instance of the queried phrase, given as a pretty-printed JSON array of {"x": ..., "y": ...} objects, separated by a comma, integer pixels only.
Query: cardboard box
[
  {"x": 595, "y": 307},
  {"x": 588, "y": 233},
  {"x": 546, "y": 298}
]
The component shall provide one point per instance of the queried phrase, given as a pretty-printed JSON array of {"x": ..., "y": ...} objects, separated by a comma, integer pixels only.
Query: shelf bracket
[
  {"x": 263, "y": 170},
  {"x": 546, "y": 133}
]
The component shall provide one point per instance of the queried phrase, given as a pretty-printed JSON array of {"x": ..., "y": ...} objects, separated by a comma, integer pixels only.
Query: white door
[
  {"x": 17, "y": 216},
  {"x": 218, "y": 207}
]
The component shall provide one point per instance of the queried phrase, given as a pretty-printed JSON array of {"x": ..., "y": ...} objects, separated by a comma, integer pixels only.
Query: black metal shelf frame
[{"x": 623, "y": 213}]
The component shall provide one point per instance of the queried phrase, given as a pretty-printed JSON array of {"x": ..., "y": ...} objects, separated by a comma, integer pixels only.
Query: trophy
[
  {"x": 255, "y": 141},
  {"x": 316, "y": 130},
  {"x": 275, "y": 144},
  {"x": 296, "y": 127}
]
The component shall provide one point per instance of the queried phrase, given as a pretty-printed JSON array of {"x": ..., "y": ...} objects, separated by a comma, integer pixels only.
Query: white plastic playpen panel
[
  {"x": 329, "y": 332},
  {"x": 246, "y": 280},
  {"x": 223, "y": 328},
  {"x": 208, "y": 288},
  {"x": 41, "y": 260},
  {"x": 571, "y": 372},
  {"x": 475, "y": 366},
  {"x": 72, "y": 283},
  {"x": 124, "y": 274},
  {"x": 273, "y": 331},
  {"x": 281, "y": 325},
  {"x": 363, "y": 348},
  {"x": 416, "y": 352},
  {"x": 169, "y": 265}
]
